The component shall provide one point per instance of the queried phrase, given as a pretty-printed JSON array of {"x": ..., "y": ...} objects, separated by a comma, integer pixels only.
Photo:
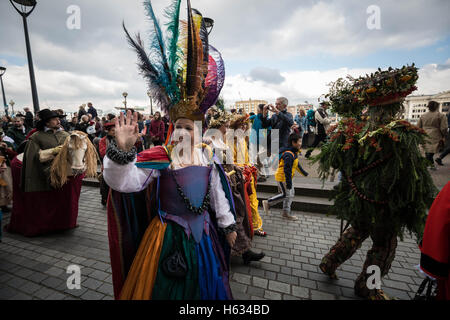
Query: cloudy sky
[{"x": 271, "y": 48}]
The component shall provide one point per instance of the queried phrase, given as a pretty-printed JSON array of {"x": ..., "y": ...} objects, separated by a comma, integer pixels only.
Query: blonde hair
[
  {"x": 302, "y": 111},
  {"x": 60, "y": 171}
]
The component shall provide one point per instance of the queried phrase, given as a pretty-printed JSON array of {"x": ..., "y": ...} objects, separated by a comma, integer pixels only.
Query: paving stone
[
  {"x": 300, "y": 273},
  {"x": 100, "y": 266},
  {"x": 394, "y": 284},
  {"x": 30, "y": 287},
  {"x": 269, "y": 275},
  {"x": 399, "y": 277},
  {"x": 300, "y": 292},
  {"x": 56, "y": 296},
  {"x": 16, "y": 282},
  {"x": 54, "y": 283},
  {"x": 106, "y": 289},
  {"x": 307, "y": 283},
  {"x": 91, "y": 283},
  {"x": 21, "y": 296},
  {"x": 260, "y": 282},
  {"x": 242, "y": 278},
  {"x": 318, "y": 295},
  {"x": 329, "y": 287},
  {"x": 43, "y": 293},
  {"x": 237, "y": 287},
  {"x": 54, "y": 271},
  {"x": 92, "y": 295},
  {"x": 37, "y": 277},
  {"x": 240, "y": 296},
  {"x": 270, "y": 295},
  {"x": 257, "y": 272},
  {"x": 279, "y": 287},
  {"x": 398, "y": 294},
  {"x": 99, "y": 275},
  {"x": 75, "y": 292},
  {"x": 254, "y": 291},
  {"x": 23, "y": 273},
  {"x": 292, "y": 280}
]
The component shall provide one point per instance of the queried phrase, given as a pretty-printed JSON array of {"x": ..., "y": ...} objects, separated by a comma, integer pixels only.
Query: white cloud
[
  {"x": 96, "y": 64},
  {"x": 300, "y": 86}
]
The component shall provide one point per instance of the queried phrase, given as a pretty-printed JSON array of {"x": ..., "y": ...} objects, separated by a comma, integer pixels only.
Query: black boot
[{"x": 249, "y": 256}]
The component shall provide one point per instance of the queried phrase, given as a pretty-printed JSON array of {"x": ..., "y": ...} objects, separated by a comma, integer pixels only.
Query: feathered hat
[
  {"x": 184, "y": 73},
  {"x": 238, "y": 120},
  {"x": 219, "y": 118}
]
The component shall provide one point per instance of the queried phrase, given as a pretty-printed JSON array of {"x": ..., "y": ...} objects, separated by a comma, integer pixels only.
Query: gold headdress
[{"x": 219, "y": 118}]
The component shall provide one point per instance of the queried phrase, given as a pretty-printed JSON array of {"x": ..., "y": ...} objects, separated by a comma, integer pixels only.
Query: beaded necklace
[{"x": 206, "y": 200}]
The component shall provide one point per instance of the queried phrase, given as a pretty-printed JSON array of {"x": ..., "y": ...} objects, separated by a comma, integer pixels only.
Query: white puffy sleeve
[
  {"x": 219, "y": 201},
  {"x": 127, "y": 178}
]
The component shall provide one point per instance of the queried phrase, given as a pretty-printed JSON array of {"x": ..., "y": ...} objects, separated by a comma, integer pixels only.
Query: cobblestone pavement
[{"x": 35, "y": 268}]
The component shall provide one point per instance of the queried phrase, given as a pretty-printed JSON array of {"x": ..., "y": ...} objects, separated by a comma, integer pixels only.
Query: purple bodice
[{"x": 194, "y": 183}]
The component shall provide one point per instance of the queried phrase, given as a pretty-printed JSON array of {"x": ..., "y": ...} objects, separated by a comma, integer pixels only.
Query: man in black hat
[{"x": 41, "y": 149}]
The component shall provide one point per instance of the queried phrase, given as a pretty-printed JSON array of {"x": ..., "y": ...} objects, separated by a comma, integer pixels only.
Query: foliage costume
[
  {"x": 167, "y": 223},
  {"x": 385, "y": 187}
]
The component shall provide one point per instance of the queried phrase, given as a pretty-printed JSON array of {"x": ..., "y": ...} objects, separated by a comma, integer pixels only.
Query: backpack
[{"x": 311, "y": 117}]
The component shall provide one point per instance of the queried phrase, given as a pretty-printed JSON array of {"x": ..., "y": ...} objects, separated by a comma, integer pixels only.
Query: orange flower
[
  {"x": 406, "y": 78},
  {"x": 371, "y": 90}
]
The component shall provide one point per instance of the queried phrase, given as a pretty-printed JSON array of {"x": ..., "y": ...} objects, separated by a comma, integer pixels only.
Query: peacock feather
[{"x": 182, "y": 76}]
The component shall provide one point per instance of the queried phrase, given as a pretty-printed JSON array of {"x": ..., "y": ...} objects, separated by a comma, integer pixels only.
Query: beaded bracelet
[
  {"x": 119, "y": 156},
  {"x": 231, "y": 228}
]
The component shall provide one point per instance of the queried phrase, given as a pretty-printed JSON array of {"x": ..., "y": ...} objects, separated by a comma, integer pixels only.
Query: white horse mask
[{"x": 77, "y": 152}]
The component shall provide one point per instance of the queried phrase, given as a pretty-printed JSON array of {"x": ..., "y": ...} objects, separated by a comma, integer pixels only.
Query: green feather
[{"x": 173, "y": 32}]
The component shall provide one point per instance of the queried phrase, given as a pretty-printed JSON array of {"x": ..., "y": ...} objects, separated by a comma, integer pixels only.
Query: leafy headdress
[{"x": 184, "y": 73}]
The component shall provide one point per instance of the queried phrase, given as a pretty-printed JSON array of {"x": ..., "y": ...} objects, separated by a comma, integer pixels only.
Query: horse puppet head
[{"x": 77, "y": 156}]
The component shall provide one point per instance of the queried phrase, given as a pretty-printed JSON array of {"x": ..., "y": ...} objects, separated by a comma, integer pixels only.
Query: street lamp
[
  {"x": 151, "y": 103},
  {"x": 2, "y": 72},
  {"x": 125, "y": 95},
  {"x": 26, "y": 8},
  {"x": 209, "y": 23},
  {"x": 12, "y": 103}
]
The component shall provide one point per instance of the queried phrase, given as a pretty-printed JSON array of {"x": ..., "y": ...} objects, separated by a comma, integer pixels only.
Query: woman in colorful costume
[
  {"x": 250, "y": 172},
  {"x": 220, "y": 121},
  {"x": 386, "y": 188},
  {"x": 171, "y": 219}
]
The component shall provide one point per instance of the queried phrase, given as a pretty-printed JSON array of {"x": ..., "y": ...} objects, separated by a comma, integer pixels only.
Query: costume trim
[
  {"x": 439, "y": 269},
  {"x": 230, "y": 229},
  {"x": 119, "y": 156}
]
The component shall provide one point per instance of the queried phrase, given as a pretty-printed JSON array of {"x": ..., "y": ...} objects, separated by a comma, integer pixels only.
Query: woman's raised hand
[{"x": 127, "y": 131}]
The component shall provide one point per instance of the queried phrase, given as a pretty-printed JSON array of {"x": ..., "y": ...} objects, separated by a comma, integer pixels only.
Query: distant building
[
  {"x": 295, "y": 109},
  {"x": 416, "y": 106},
  {"x": 249, "y": 106}
]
